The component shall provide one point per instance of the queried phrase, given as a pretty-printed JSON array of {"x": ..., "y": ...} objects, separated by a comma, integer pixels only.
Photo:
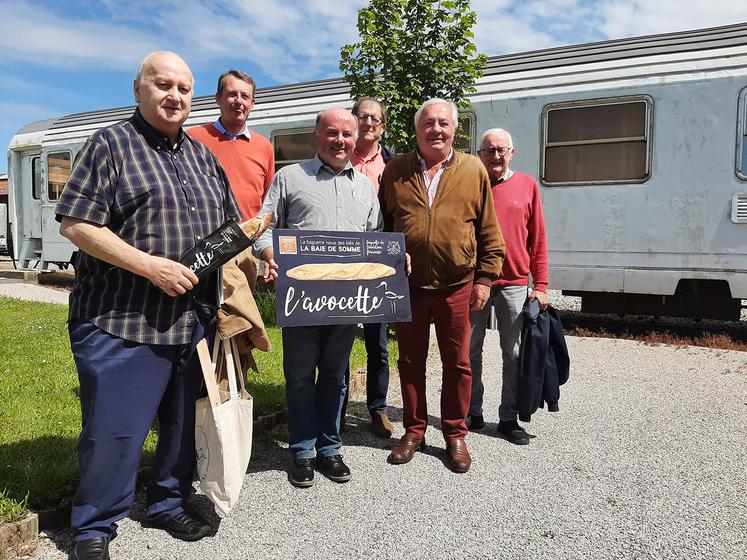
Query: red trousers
[{"x": 449, "y": 309}]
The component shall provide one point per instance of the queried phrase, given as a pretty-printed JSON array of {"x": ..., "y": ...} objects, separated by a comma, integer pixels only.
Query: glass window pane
[
  {"x": 464, "y": 139},
  {"x": 36, "y": 178},
  {"x": 58, "y": 171},
  {"x": 743, "y": 166},
  {"x": 618, "y": 161},
  {"x": 296, "y": 146},
  {"x": 596, "y": 122}
]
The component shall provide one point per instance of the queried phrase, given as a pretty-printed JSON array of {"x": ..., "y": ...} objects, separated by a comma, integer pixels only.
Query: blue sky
[{"x": 61, "y": 57}]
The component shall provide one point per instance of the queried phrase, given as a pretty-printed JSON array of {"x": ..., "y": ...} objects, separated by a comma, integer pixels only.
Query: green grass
[
  {"x": 40, "y": 412},
  {"x": 10, "y": 509}
]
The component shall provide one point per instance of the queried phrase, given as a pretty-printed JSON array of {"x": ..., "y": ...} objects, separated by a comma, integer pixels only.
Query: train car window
[
  {"x": 596, "y": 142},
  {"x": 58, "y": 170},
  {"x": 36, "y": 178},
  {"x": 292, "y": 146},
  {"x": 742, "y": 136},
  {"x": 465, "y": 141}
]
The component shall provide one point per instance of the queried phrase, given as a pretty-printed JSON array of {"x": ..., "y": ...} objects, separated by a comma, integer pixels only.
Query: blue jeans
[
  {"x": 123, "y": 387},
  {"x": 508, "y": 302},
  {"x": 377, "y": 368},
  {"x": 315, "y": 402}
]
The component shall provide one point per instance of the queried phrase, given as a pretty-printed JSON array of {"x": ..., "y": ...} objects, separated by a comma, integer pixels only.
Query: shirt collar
[
  {"x": 446, "y": 162},
  {"x": 153, "y": 136},
  {"x": 365, "y": 159},
  {"x": 507, "y": 174},
  {"x": 220, "y": 128},
  {"x": 318, "y": 164}
]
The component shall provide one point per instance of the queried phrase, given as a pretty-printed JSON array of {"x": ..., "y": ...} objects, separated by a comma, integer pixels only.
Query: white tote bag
[{"x": 223, "y": 427}]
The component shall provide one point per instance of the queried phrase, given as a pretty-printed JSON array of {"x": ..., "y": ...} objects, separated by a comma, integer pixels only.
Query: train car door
[
  {"x": 24, "y": 219},
  {"x": 30, "y": 190},
  {"x": 58, "y": 162}
]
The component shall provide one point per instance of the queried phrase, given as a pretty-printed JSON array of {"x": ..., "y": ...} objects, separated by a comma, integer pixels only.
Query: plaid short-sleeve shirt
[{"x": 158, "y": 198}]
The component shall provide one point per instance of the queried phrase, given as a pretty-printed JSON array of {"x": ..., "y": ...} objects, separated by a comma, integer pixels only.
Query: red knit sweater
[
  {"x": 249, "y": 164},
  {"x": 519, "y": 209}
]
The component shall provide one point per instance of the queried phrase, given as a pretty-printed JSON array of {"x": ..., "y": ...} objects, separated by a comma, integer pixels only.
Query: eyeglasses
[
  {"x": 374, "y": 119},
  {"x": 492, "y": 151}
]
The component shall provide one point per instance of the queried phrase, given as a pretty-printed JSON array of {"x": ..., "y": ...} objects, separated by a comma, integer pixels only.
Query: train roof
[{"x": 598, "y": 52}]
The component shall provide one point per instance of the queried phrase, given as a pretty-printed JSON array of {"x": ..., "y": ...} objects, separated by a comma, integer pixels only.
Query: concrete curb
[
  {"x": 30, "y": 276},
  {"x": 19, "y": 532}
]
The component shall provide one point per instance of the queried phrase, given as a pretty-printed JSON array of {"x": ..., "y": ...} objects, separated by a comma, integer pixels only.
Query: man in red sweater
[
  {"x": 519, "y": 210},
  {"x": 247, "y": 157}
]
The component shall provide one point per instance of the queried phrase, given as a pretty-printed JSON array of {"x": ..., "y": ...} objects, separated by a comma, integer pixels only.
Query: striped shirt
[
  {"x": 309, "y": 195},
  {"x": 158, "y": 198}
]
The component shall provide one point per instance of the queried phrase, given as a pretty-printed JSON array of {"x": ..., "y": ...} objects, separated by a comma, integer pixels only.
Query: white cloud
[
  {"x": 33, "y": 34},
  {"x": 627, "y": 18},
  {"x": 295, "y": 40}
]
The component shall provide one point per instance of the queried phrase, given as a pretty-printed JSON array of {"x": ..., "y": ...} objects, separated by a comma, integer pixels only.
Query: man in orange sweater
[
  {"x": 519, "y": 209},
  {"x": 246, "y": 156}
]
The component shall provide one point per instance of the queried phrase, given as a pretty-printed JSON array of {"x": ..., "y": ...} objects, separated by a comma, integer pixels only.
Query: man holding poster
[{"x": 325, "y": 194}]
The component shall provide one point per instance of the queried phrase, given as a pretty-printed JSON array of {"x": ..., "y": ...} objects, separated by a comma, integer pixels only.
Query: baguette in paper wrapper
[
  {"x": 256, "y": 226},
  {"x": 223, "y": 244},
  {"x": 340, "y": 271}
]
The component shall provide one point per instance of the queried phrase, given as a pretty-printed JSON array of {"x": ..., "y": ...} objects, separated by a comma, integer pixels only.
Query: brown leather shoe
[
  {"x": 458, "y": 456},
  {"x": 405, "y": 449},
  {"x": 381, "y": 426}
]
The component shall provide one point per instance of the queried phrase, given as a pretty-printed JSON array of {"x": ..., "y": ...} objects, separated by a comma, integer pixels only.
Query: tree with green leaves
[{"x": 410, "y": 51}]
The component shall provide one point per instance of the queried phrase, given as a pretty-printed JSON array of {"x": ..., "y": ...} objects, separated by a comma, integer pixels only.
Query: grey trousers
[{"x": 507, "y": 302}]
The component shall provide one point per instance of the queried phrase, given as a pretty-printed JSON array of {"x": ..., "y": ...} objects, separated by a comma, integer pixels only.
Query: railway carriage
[{"x": 639, "y": 146}]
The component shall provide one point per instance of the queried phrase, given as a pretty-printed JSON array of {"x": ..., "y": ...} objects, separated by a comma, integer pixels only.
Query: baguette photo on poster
[{"x": 328, "y": 278}]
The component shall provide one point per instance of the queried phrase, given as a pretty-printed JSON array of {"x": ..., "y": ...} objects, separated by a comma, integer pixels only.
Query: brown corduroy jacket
[{"x": 456, "y": 240}]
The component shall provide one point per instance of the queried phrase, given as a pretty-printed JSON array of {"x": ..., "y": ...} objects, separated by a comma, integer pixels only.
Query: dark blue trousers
[
  {"x": 123, "y": 387},
  {"x": 377, "y": 368},
  {"x": 315, "y": 400}
]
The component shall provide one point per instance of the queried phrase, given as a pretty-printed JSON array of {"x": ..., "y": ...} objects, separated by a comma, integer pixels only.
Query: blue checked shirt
[{"x": 157, "y": 198}]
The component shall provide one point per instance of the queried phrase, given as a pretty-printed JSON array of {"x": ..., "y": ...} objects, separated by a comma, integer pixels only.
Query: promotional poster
[{"x": 328, "y": 278}]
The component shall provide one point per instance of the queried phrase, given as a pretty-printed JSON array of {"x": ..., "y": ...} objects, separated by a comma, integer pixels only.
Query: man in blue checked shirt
[
  {"x": 326, "y": 194},
  {"x": 141, "y": 193}
]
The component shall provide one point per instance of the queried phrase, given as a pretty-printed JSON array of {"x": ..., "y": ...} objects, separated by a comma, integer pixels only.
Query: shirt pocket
[{"x": 209, "y": 195}]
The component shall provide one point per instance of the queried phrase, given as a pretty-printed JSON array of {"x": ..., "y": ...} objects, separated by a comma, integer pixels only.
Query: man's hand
[
  {"x": 99, "y": 241},
  {"x": 408, "y": 267},
  {"x": 271, "y": 267},
  {"x": 169, "y": 276},
  {"x": 541, "y": 297},
  {"x": 480, "y": 295}
]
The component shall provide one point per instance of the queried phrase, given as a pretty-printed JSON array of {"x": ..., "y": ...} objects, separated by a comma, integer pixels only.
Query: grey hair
[
  {"x": 438, "y": 101},
  {"x": 497, "y": 131}
]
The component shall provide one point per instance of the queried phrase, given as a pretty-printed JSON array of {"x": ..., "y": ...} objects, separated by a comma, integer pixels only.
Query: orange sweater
[{"x": 249, "y": 165}]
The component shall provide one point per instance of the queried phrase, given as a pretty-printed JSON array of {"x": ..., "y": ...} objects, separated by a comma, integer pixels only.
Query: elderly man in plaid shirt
[{"x": 141, "y": 193}]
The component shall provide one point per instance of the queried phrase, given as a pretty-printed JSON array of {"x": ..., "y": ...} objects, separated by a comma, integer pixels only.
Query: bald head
[
  {"x": 334, "y": 136},
  {"x": 163, "y": 91}
]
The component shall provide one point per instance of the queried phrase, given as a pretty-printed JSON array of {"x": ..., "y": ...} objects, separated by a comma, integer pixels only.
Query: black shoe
[
  {"x": 333, "y": 468},
  {"x": 475, "y": 423},
  {"x": 302, "y": 473},
  {"x": 183, "y": 526},
  {"x": 511, "y": 431},
  {"x": 96, "y": 548}
]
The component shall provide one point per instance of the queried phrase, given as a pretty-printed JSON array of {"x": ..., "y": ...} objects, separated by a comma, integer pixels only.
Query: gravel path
[
  {"x": 645, "y": 460},
  {"x": 33, "y": 292}
]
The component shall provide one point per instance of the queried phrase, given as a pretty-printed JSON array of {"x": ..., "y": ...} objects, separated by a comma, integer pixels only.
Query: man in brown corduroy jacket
[{"x": 441, "y": 200}]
